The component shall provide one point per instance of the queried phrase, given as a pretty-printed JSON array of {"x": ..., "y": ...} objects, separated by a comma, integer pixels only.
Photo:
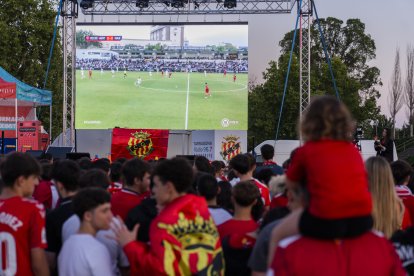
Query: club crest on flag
[
  {"x": 231, "y": 147},
  {"x": 140, "y": 144}
]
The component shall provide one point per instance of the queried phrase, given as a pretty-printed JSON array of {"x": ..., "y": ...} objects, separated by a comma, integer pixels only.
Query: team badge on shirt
[
  {"x": 231, "y": 147},
  {"x": 140, "y": 144}
]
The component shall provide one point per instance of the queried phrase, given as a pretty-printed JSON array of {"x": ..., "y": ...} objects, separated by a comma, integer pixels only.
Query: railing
[{"x": 405, "y": 144}]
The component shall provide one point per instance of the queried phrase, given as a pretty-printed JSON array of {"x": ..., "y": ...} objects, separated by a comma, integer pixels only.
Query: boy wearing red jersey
[
  {"x": 22, "y": 221},
  {"x": 136, "y": 175}
]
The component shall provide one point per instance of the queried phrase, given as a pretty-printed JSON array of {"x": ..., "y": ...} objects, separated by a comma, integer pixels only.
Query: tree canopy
[
  {"x": 350, "y": 48},
  {"x": 26, "y": 31}
]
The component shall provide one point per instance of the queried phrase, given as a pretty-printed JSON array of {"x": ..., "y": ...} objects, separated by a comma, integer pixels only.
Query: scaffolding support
[
  {"x": 69, "y": 14},
  {"x": 304, "y": 54}
]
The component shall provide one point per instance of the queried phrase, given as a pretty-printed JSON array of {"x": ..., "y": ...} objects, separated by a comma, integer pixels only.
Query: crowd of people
[
  {"x": 172, "y": 65},
  {"x": 322, "y": 212}
]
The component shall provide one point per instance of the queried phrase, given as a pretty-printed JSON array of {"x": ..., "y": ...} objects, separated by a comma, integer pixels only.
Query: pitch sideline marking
[{"x": 188, "y": 99}]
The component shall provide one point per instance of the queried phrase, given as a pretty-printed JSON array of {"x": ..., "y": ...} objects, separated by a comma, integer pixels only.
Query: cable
[
  {"x": 288, "y": 72},
  {"x": 328, "y": 58}
]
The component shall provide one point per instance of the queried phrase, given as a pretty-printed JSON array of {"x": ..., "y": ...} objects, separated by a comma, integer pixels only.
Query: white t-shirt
[
  {"x": 84, "y": 255},
  {"x": 219, "y": 215},
  {"x": 116, "y": 254}
]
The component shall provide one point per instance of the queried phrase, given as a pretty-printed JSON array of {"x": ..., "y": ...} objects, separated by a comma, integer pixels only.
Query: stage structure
[{"x": 158, "y": 12}]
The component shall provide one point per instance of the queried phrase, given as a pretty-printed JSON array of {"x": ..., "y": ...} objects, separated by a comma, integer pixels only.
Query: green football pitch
[{"x": 106, "y": 101}]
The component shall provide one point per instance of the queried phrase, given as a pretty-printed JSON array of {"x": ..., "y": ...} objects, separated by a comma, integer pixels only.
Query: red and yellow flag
[{"x": 145, "y": 144}]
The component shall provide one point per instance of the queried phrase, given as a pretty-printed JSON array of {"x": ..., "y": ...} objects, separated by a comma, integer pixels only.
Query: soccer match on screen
[{"x": 160, "y": 78}]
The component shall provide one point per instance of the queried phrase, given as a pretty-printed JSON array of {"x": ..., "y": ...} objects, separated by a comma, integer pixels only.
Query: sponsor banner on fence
[{"x": 145, "y": 144}]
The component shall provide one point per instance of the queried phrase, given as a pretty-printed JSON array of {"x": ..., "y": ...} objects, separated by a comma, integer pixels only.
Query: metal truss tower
[
  {"x": 304, "y": 54},
  {"x": 188, "y": 7},
  {"x": 69, "y": 14}
]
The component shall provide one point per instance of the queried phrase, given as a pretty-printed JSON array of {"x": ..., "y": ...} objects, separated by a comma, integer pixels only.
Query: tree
[
  {"x": 395, "y": 91},
  {"x": 26, "y": 31},
  {"x": 350, "y": 48},
  {"x": 409, "y": 87},
  {"x": 81, "y": 42}
]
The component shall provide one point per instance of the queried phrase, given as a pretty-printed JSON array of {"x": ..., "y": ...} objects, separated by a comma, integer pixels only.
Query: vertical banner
[
  {"x": 203, "y": 143},
  {"x": 229, "y": 143},
  {"x": 145, "y": 144}
]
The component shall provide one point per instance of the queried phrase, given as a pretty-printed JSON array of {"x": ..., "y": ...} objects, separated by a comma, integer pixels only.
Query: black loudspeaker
[
  {"x": 188, "y": 157},
  {"x": 77, "y": 155},
  {"x": 59, "y": 152},
  {"x": 35, "y": 153}
]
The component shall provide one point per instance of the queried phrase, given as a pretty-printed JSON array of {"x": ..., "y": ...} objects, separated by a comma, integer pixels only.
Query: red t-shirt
[
  {"x": 279, "y": 200},
  {"x": 22, "y": 228},
  {"x": 43, "y": 193},
  {"x": 124, "y": 200},
  {"x": 335, "y": 177},
  {"x": 264, "y": 192},
  {"x": 207, "y": 90},
  {"x": 368, "y": 254},
  {"x": 233, "y": 226}
]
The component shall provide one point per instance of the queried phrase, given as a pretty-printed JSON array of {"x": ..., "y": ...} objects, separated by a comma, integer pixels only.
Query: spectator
[
  {"x": 243, "y": 166},
  {"x": 401, "y": 172},
  {"x": 82, "y": 253},
  {"x": 268, "y": 153},
  {"x": 183, "y": 229},
  {"x": 388, "y": 209},
  {"x": 237, "y": 245},
  {"x": 224, "y": 196},
  {"x": 22, "y": 223},
  {"x": 208, "y": 188},
  {"x": 339, "y": 210},
  {"x": 65, "y": 174},
  {"x": 385, "y": 147},
  {"x": 45, "y": 192},
  {"x": 136, "y": 176}
]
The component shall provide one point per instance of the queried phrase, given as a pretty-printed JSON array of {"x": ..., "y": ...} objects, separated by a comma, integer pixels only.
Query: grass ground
[{"x": 160, "y": 102}]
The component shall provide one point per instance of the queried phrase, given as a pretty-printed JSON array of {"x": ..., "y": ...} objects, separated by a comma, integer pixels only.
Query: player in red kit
[
  {"x": 90, "y": 73},
  {"x": 206, "y": 91},
  {"x": 224, "y": 72},
  {"x": 22, "y": 220},
  {"x": 234, "y": 78}
]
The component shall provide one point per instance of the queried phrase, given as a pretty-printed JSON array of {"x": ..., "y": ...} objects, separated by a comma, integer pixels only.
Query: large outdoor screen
[{"x": 162, "y": 77}]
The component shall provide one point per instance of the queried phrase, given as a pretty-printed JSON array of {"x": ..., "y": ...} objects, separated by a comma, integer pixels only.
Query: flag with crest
[{"x": 144, "y": 144}]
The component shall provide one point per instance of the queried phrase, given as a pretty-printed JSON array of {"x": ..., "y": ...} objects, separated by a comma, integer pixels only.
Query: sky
[{"x": 388, "y": 22}]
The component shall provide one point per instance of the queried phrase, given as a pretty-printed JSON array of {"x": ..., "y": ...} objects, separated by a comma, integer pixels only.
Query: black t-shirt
[
  {"x": 54, "y": 223},
  {"x": 404, "y": 245},
  {"x": 143, "y": 214}
]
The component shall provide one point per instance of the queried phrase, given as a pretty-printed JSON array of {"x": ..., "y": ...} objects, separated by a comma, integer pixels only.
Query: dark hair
[
  {"x": 46, "y": 171},
  {"x": 134, "y": 168},
  {"x": 240, "y": 163},
  {"x": 400, "y": 170},
  {"x": 121, "y": 160},
  {"x": 85, "y": 163},
  {"x": 217, "y": 166},
  {"x": 267, "y": 151},
  {"x": 388, "y": 136},
  {"x": 46, "y": 156},
  {"x": 102, "y": 164},
  {"x": 245, "y": 193},
  {"x": 252, "y": 161},
  {"x": 115, "y": 171},
  {"x": 18, "y": 164},
  {"x": 327, "y": 117},
  {"x": 207, "y": 186},
  {"x": 67, "y": 172},
  {"x": 264, "y": 175},
  {"x": 202, "y": 164},
  {"x": 178, "y": 171},
  {"x": 88, "y": 199},
  {"x": 224, "y": 196},
  {"x": 94, "y": 178}
]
